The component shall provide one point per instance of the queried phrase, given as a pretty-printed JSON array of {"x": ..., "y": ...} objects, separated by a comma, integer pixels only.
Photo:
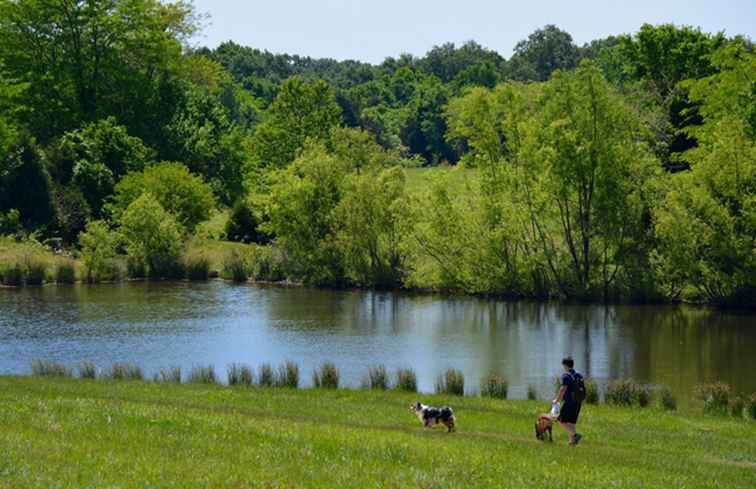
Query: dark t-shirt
[{"x": 568, "y": 381}]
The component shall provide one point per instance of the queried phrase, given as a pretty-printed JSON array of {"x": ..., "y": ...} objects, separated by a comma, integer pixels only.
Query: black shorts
[{"x": 570, "y": 413}]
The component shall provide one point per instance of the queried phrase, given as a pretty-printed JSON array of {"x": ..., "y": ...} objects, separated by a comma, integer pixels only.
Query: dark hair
[{"x": 568, "y": 361}]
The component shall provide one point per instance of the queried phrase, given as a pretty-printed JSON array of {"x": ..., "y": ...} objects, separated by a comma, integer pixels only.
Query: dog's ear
[{"x": 419, "y": 406}]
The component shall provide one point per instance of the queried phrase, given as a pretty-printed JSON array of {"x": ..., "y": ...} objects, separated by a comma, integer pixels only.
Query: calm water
[{"x": 183, "y": 324}]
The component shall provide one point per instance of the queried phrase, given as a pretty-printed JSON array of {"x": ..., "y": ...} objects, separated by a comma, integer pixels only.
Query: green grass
[{"x": 68, "y": 433}]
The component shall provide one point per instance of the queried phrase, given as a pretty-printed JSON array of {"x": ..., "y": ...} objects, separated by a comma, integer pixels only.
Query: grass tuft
[
  {"x": 667, "y": 399},
  {"x": 451, "y": 382},
  {"x": 532, "y": 393},
  {"x": 197, "y": 267},
  {"x": 87, "y": 370},
  {"x": 202, "y": 375},
  {"x": 287, "y": 376},
  {"x": 235, "y": 267},
  {"x": 124, "y": 371},
  {"x": 13, "y": 275},
  {"x": 406, "y": 380},
  {"x": 47, "y": 368},
  {"x": 266, "y": 375},
  {"x": 36, "y": 272},
  {"x": 170, "y": 375},
  {"x": 716, "y": 397},
  {"x": 326, "y": 377},
  {"x": 377, "y": 378},
  {"x": 628, "y": 392},
  {"x": 591, "y": 391},
  {"x": 494, "y": 386},
  {"x": 65, "y": 272}
]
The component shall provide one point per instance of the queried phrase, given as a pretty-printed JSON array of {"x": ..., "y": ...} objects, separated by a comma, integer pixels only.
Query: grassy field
[{"x": 77, "y": 433}]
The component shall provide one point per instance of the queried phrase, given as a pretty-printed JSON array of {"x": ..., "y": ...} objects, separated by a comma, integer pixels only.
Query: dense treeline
[{"x": 623, "y": 169}]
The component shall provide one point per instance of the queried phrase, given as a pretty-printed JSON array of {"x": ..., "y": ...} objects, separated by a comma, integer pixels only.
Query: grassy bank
[{"x": 79, "y": 433}]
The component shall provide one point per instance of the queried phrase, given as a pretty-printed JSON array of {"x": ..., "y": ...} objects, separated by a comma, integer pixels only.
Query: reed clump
[
  {"x": 406, "y": 380},
  {"x": 451, "y": 382},
  {"x": 326, "y": 376}
]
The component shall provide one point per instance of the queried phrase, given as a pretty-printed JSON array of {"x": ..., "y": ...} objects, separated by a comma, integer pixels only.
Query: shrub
[
  {"x": 124, "y": 371},
  {"x": 242, "y": 225},
  {"x": 98, "y": 252},
  {"x": 377, "y": 378},
  {"x": 266, "y": 375},
  {"x": 172, "y": 375},
  {"x": 268, "y": 264},
  {"x": 202, "y": 375},
  {"x": 532, "y": 393},
  {"x": 494, "y": 386},
  {"x": 87, "y": 370},
  {"x": 667, "y": 399},
  {"x": 288, "y": 375},
  {"x": 135, "y": 267},
  {"x": 13, "y": 275},
  {"x": 65, "y": 272},
  {"x": 234, "y": 267},
  {"x": 591, "y": 391},
  {"x": 197, "y": 267},
  {"x": 716, "y": 397},
  {"x": 627, "y": 392},
  {"x": 451, "y": 382},
  {"x": 246, "y": 375},
  {"x": 406, "y": 380},
  {"x": 36, "y": 271},
  {"x": 46, "y": 368},
  {"x": 326, "y": 377}
]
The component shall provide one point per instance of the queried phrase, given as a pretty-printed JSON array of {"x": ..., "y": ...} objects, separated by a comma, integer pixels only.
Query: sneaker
[{"x": 577, "y": 438}]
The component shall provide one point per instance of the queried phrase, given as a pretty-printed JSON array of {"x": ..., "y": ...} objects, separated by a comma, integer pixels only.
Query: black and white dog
[{"x": 431, "y": 416}]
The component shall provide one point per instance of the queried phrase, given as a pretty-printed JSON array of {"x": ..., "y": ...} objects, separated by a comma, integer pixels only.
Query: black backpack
[{"x": 578, "y": 388}]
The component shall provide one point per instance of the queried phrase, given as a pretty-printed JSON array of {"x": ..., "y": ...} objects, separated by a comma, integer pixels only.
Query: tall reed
[
  {"x": 47, "y": 368},
  {"x": 494, "y": 386},
  {"x": 326, "y": 376},
  {"x": 288, "y": 375},
  {"x": 451, "y": 382},
  {"x": 406, "y": 380},
  {"x": 202, "y": 375},
  {"x": 87, "y": 370}
]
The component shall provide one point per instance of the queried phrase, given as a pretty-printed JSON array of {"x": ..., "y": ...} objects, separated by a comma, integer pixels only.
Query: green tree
[
  {"x": 302, "y": 110},
  {"x": 152, "y": 236},
  {"x": 178, "y": 191},
  {"x": 85, "y": 60},
  {"x": 544, "y": 51},
  {"x": 707, "y": 222},
  {"x": 243, "y": 225},
  {"x": 98, "y": 252},
  {"x": 371, "y": 218}
]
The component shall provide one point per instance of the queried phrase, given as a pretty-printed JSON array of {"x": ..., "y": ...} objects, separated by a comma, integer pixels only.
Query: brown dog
[{"x": 542, "y": 425}]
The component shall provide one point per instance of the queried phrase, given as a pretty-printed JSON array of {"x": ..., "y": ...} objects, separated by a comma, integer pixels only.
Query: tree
[
  {"x": 25, "y": 184},
  {"x": 178, "y": 191},
  {"x": 543, "y": 52},
  {"x": 243, "y": 226},
  {"x": 370, "y": 220},
  {"x": 302, "y": 110},
  {"x": 707, "y": 221},
  {"x": 85, "y": 60},
  {"x": 98, "y": 252},
  {"x": 152, "y": 236}
]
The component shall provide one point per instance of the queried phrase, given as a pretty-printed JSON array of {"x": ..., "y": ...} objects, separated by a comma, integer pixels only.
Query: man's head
[{"x": 568, "y": 363}]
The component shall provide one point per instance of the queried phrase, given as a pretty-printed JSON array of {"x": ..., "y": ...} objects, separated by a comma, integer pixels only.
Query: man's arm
[{"x": 561, "y": 393}]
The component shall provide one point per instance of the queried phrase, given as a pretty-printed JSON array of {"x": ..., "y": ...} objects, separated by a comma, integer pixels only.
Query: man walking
[{"x": 571, "y": 394}]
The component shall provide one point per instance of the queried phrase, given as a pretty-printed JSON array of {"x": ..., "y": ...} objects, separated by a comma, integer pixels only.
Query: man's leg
[{"x": 569, "y": 428}]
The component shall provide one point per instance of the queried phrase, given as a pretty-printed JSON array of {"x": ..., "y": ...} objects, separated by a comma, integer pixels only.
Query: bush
[
  {"x": 234, "y": 267},
  {"x": 326, "y": 377},
  {"x": 46, "y": 368},
  {"x": 406, "y": 380},
  {"x": 716, "y": 397},
  {"x": 98, "y": 252},
  {"x": 532, "y": 393},
  {"x": 124, "y": 371},
  {"x": 288, "y": 375},
  {"x": 591, "y": 391},
  {"x": 239, "y": 374},
  {"x": 451, "y": 382},
  {"x": 377, "y": 378},
  {"x": 667, "y": 399},
  {"x": 172, "y": 375},
  {"x": 36, "y": 272},
  {"x": 266, "y": 375},
  {"x": 197, "y": 267},
  {"x": 65, "y": 272},
  {"x": 242, "y": 225},
  {"x": 87, "y": 370},
  {"x": 13, "y": 275},
  {"x": 135, "y": 267},
  {"x": 268, "y": 264},
  {"x": 202, "y": 375},
  {"x": 627, "y": 392},
  {"x": 494, "y": 386}
]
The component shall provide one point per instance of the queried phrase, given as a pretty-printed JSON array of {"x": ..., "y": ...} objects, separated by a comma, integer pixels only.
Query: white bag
[{"x": 555, "y": 409}]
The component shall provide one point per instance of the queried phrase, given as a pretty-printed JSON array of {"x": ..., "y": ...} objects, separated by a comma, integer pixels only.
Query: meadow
[{"x": 60, "y": 432}]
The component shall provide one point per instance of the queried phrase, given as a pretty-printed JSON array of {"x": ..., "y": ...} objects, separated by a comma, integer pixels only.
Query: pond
[{"x": 216, "y": 323}]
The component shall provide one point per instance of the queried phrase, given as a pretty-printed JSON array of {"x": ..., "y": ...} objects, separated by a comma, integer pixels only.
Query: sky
[{"x": 373, "y": 30}]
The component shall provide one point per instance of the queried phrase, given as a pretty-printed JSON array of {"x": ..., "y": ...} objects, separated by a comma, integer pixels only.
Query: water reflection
[{"x": 165, "y": 324}]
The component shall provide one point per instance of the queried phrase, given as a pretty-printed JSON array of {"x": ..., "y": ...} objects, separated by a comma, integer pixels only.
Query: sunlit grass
[{"x": 71, "y": 433}]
